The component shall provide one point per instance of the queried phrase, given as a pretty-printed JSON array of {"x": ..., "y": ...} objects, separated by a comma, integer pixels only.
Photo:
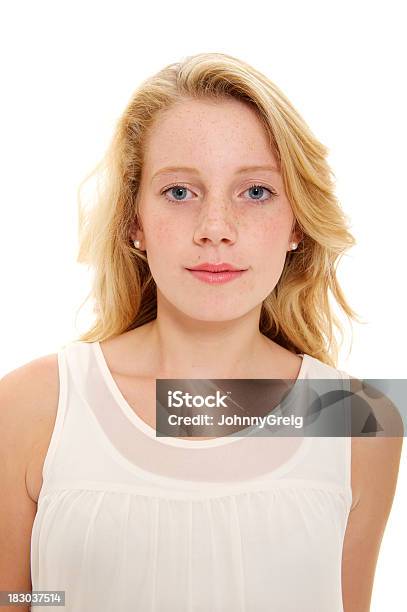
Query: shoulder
[
  {"x": 377, "y": 436},
  {"x": 28, "y": 384},
  {"x": 28, "y": 405},
  {"x": 27, "y": 389},
  {"x": 377, "y": 440}
]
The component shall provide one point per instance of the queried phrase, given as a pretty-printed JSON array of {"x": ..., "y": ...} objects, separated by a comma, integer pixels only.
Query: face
[{"x": 207, "y": 209}]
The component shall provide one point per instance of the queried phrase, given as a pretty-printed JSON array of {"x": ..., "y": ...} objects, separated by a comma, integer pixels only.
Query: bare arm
[
  {"x": 375, "y": 465},
  {"x": 25, "y": 395}
]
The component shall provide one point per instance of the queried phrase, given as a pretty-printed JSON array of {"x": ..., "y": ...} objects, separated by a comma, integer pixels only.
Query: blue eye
[
  {"x": 178, "y": 189},
  {"x": 261, "y": 188}
]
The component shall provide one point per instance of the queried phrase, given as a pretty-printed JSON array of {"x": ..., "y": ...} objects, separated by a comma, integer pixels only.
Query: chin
[{"x": 211, "y": 314}]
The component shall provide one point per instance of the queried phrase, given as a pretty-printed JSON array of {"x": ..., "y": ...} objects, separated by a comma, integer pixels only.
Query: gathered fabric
[{"x": 130, "y": 521}]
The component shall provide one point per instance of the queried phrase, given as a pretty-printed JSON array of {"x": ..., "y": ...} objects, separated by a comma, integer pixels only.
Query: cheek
[
  {"x": 269, "y": 250},
  {"x": 161, "y": 234},
  {"x": 164, "y": 241},
  {"x": 269, "y": 239}
]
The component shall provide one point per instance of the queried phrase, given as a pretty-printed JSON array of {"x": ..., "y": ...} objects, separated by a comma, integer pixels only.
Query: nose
[{"x": 215, "y": 224}]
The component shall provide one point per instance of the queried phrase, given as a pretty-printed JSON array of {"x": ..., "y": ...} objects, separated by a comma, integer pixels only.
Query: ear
[
  {"x": 296, "y": 235},
  {"x": 135, "y": 233}
]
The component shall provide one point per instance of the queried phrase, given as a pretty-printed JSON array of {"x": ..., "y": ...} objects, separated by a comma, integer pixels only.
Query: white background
[{"x": 69, "y": 69}]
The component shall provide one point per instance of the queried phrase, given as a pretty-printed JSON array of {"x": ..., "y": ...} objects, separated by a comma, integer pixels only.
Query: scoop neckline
[{"x": 138, "y": 422}]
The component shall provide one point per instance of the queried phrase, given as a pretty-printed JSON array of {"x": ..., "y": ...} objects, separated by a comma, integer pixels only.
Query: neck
[{"x": 187, "y": 348}]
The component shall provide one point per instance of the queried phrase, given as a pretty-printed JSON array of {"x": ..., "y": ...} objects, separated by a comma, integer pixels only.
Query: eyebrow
[{"x": 243, "y": 169}]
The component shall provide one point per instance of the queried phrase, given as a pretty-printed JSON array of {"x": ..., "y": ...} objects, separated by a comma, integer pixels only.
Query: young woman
[{"x": 212, "y": 167}]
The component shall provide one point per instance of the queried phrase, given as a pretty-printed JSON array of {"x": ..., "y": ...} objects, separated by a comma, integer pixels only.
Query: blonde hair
[{"x": 297, "y": 314}]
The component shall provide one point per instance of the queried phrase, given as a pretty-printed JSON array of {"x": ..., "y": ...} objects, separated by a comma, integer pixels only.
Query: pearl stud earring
[
  {"x": 293, "y": 246},
  {"x": 136, "y": 243}
]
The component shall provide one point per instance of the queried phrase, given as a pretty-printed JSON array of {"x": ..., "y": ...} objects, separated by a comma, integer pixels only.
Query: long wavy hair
[{"x": 297, "y": 314}]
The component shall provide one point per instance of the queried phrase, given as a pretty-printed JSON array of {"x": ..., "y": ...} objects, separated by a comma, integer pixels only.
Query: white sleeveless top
[{"x": 128, "y": 521}]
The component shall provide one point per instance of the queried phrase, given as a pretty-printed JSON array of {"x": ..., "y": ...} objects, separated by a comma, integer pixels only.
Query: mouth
[
  {"x": 219, "y": 277},
  {"x": 223, "y": 266}
]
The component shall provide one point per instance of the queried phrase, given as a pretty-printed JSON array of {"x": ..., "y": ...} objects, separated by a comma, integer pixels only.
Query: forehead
[{"x": 199, "y": 132}]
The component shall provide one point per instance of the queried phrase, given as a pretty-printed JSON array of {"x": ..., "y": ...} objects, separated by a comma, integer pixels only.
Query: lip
[
  {"x": 216, "y": 278},
  {"x": 216, "y": 267}
]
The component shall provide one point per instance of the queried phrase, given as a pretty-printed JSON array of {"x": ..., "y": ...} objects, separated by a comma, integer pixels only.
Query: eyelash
[{"x": 273, "y": 193}]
